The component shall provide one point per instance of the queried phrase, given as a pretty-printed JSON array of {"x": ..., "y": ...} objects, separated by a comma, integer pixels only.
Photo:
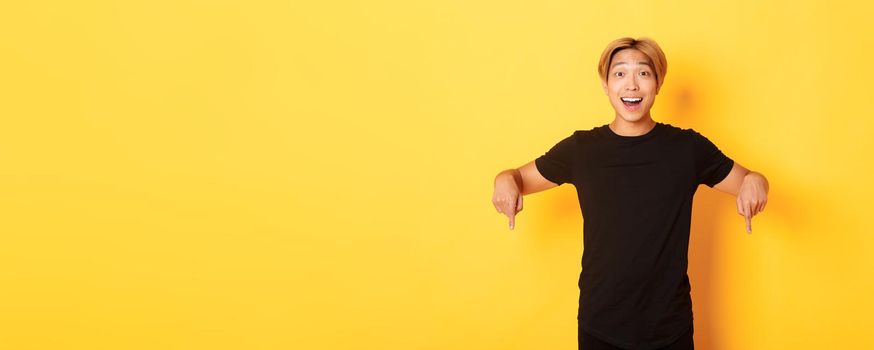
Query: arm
[
  {"x": 751, "y": 189},
  {"x": 529, "y": 179},
  {"x": 512, "y": 184}
]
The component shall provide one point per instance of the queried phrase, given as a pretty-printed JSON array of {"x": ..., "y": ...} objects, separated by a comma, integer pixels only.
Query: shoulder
[
  {"x": 679, "y": 130},
  {"x": 578, "y": 135},
  {"x": 687, "y": 134},
  {"x": 591, "y": 132}
]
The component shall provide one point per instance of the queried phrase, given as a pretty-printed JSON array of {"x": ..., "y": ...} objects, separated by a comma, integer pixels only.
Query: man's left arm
[{"x": 750, "y": 188}]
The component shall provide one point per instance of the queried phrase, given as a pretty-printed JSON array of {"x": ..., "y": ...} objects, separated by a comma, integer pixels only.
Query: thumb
[
  {"x": 512, "y": 221},
  {"x": 519, "y": 204},
  {"x": 747, "y": 219}
]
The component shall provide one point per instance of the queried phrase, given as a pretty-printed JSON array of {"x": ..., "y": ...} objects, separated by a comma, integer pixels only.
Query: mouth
[{"x": 632, "y": 103}]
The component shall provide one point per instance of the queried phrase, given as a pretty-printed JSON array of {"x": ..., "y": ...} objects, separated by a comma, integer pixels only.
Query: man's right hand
[
  {"x": 507, "y": 198},
  {"x": 512, "y": 184}
]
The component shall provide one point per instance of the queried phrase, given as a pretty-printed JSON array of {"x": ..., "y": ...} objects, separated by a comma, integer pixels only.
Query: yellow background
[{"x": 318, "y": 175}]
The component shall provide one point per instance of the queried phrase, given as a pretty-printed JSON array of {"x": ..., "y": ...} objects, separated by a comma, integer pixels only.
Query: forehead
[{"x": 630, "y": 57}]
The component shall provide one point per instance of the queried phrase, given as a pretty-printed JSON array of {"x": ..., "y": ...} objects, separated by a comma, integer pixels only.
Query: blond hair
[{"x": 645, "y": 45}]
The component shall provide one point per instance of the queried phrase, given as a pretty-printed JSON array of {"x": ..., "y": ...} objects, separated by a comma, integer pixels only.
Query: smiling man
[{"x": 635, "y": 181}]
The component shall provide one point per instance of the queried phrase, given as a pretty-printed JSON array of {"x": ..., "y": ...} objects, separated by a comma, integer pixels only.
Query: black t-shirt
[{"x": 635, "y": 195}]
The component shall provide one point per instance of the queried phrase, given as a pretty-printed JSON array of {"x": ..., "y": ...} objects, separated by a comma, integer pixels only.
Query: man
[{"x": 635, "y": 181}]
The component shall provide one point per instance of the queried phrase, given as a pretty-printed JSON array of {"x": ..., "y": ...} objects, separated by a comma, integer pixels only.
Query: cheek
[
  {"x": 652, "y": 84},
  {"x": 615, "y": 92}
]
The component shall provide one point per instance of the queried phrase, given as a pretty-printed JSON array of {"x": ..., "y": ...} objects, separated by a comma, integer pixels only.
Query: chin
[{"x": 632, "y": 118}]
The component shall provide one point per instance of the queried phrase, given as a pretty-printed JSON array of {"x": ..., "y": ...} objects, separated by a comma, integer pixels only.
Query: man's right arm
[{"x": 527, "y": 178}]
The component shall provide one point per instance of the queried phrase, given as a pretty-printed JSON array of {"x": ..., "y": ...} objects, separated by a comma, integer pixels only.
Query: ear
[{"x": 604, "y": 86}]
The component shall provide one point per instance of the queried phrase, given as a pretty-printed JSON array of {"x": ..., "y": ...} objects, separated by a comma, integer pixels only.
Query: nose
[{"x": 632, "y": 85}]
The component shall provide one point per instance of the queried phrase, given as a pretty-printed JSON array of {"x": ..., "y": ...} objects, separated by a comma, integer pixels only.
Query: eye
[
  {"x": 618, "y": 74},
  {"x": 644, "y": 73}
]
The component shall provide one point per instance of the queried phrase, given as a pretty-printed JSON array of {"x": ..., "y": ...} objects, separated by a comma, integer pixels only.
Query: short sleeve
[
  {"x": 711, "y": 165},
  {"x": 556, "y": 164}
]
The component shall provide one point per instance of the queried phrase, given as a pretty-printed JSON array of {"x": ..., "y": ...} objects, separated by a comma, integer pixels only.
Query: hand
[
  {"x": 507, "y": 199},
  {"x": 752, "y": 197}
]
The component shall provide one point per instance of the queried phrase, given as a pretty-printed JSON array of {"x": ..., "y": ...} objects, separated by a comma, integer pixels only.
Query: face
[{"x": 631, "y": 78}]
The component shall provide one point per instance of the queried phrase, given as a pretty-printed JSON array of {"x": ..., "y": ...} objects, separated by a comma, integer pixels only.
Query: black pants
[{"x": 588, "y": 342}]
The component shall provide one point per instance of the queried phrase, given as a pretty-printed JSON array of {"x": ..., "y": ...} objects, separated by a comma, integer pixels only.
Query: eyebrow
[{"x": 643, "y": 63}]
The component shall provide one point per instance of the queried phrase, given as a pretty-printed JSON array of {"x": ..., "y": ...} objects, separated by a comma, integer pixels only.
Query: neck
[{"x": 636, "y": 128}]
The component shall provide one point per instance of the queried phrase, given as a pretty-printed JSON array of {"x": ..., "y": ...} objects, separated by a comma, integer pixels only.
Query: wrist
[
  {"x": 509, "y": 177},
  {"x": 758, "y": 177}
]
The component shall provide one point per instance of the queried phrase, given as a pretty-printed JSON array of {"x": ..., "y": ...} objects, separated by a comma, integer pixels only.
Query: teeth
[{"x": 635, "y": 99}]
